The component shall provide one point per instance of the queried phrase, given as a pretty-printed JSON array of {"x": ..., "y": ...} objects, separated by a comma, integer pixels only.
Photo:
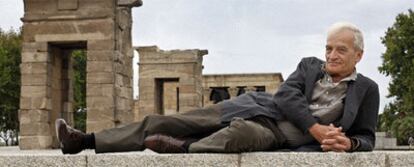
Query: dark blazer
[{"x": 291, "y": 102}]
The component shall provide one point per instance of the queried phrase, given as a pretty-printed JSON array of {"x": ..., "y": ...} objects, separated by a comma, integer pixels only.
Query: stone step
[
  {"x": 12, "y": 156},
  {"x": 380, "y": 134}
]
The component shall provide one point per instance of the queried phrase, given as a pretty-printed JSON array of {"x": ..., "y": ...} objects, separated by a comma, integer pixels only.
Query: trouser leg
[
  {"x": 240, "y": 136},
  {"x": 131, "y": 137}
]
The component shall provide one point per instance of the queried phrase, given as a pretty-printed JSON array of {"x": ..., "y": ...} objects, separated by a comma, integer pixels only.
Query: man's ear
[{"x": 359, "y": 55}]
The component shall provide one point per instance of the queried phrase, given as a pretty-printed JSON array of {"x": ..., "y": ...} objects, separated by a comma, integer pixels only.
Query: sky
[{"x": 254, "y": 36}]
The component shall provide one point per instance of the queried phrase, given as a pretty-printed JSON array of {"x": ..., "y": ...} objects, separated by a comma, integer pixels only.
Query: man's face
[{"x": 341, "y": 55}]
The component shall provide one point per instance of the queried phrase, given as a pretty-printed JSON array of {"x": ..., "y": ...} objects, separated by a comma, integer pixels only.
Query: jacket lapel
[{"x": 352, "y": 102}]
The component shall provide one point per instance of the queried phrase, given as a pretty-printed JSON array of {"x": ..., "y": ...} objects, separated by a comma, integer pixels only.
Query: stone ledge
[{"x": 12, "y": 156}]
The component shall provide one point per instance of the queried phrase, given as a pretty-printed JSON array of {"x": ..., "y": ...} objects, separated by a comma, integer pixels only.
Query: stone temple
[
  {"x": 169, "y": 81},
  {"x": 172, "y": 82}
]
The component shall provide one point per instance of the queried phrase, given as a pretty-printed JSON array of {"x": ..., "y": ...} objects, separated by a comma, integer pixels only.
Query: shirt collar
[{"x": 328, "y": 78}]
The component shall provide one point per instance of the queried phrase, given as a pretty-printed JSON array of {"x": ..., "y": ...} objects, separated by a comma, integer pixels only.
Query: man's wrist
[
  {"x": 355, "y": 143},
  {"x": 313, "y": 128}
]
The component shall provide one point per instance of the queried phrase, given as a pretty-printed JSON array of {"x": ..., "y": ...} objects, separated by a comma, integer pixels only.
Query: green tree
[
  {"x": 398, "y": 63},
  {"x": 10, "y": 49},
  {"x": 79, "y": 88}
]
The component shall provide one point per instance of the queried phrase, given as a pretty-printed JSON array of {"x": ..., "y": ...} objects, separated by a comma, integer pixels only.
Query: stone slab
[
  {"x": 312, "y": 159},
  {"x": 165, "y": 160},
  {"x": 400, "y": 158},
  {"x": 12, "y": 156}
]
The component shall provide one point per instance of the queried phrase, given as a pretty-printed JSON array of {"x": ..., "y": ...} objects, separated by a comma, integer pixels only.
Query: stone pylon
[
  {"x": 170, "y": 81},
  {"x": 52, "y": 29}
]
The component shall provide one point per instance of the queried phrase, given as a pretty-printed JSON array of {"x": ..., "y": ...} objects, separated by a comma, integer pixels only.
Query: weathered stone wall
[
  {"x": 157, "y": 67},
  {"x": 51, "y": 30}
]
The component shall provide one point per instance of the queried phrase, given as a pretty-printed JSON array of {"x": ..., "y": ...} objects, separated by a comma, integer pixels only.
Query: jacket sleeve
[
  {"x": 363, "y": 128},
  {"x": 291, "y": 101}
]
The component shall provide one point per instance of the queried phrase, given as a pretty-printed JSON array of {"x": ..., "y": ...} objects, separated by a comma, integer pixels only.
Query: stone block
[
  {"x": 25, "y": 103},
  {"x": 98, "y": 4},
  {"x": 400, "y": 159},
  {"x": 38, "y": 7},
  {"x": 71, "y": 37},
  {"x": 67, "y": 107},
  {"x": 99, "y": 45},
  {"x": 101, "y": 55},
  {"x": 100, "y": 66},
  {"x": 34, "y": 91},
  {"x": 312, "y": 159},
  {"x": 119, "y": 79},
  {"x": 35, "y": 79},
  {"x": 99, "y": 125},
  {"x": 128, "y": 159},
  {"x": 127, "y": 80},
  {"x": 100, "y": 77},
  {"x": 187, "y": 89},
  {"x": 122, "y": 104},
  {"x": 27, "y": 142},
  {"x": 33, "y": 47},
  {"x": 122, "y": 68},
  {"x": 125, "y": 117},
  {"x": 31, "y": 160},
  {"x": 146, "y": 82},
  {"x": 35, "y": 128},
  {"x": 31, "y": 30},
  {"x": 100, "y": 102},
  {"x": 124, "y": 92},
  {"x": 105, "y": 90},
  {"x": 105, "y": 27},
  {"x": 34, "y": 68},
  {"x": 33, "y": 116},
  {"x": 35, "y": 57},
  {"x": 68, "y": 4}
]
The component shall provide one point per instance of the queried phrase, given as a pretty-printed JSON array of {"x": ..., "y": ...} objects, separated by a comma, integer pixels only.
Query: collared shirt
[
  {"x": 327, "y": 98},
  {"x": 326, "y": 106}
]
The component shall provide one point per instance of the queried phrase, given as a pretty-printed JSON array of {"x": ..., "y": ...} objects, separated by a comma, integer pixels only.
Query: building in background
[{"x": 172, "y": 82}]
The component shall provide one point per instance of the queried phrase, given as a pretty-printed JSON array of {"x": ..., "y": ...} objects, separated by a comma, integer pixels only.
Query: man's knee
[
  {"x": 155, "y": 123},
  {"x": 245, "y": 135}
]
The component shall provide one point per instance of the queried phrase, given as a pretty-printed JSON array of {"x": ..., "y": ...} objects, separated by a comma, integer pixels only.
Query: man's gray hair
[{"x": 358, "y": 37}]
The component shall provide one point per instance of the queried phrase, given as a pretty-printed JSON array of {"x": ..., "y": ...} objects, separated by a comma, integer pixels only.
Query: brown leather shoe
[
  {"x": 71, "y": 140},
  {"x": 164, "y": 144}
]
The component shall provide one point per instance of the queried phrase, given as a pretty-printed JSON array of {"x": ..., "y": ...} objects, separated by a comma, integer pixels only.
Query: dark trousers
[{"x": 202, "y": 124}]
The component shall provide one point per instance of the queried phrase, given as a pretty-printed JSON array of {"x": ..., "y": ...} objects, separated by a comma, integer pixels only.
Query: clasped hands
[{"x": 330, "y": 137}]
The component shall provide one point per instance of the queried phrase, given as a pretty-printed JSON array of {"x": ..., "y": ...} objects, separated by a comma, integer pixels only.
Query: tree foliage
[
  {"x": 79, "y": 88},
  {"x": 10, "y": 49},
  {"x": 398, "y": 63}
]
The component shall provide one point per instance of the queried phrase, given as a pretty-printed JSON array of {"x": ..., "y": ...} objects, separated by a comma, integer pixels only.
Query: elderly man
[{"x": 322, "y": 106}]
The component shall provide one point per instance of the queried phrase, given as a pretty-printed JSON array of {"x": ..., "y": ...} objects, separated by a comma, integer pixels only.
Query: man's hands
[{"x": 330, "y": 137}]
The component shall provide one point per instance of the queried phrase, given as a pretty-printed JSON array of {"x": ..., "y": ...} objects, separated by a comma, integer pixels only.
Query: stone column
[
  {"x": 35, "y": 98},
  {"x": 250, "y": 89},
  {"x": 233, "y": 92}
]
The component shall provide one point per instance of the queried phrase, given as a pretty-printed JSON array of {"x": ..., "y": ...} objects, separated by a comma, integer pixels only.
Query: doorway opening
[
  {"x": 68, "y": 82},
  {"x": 167, "y": 93}
]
